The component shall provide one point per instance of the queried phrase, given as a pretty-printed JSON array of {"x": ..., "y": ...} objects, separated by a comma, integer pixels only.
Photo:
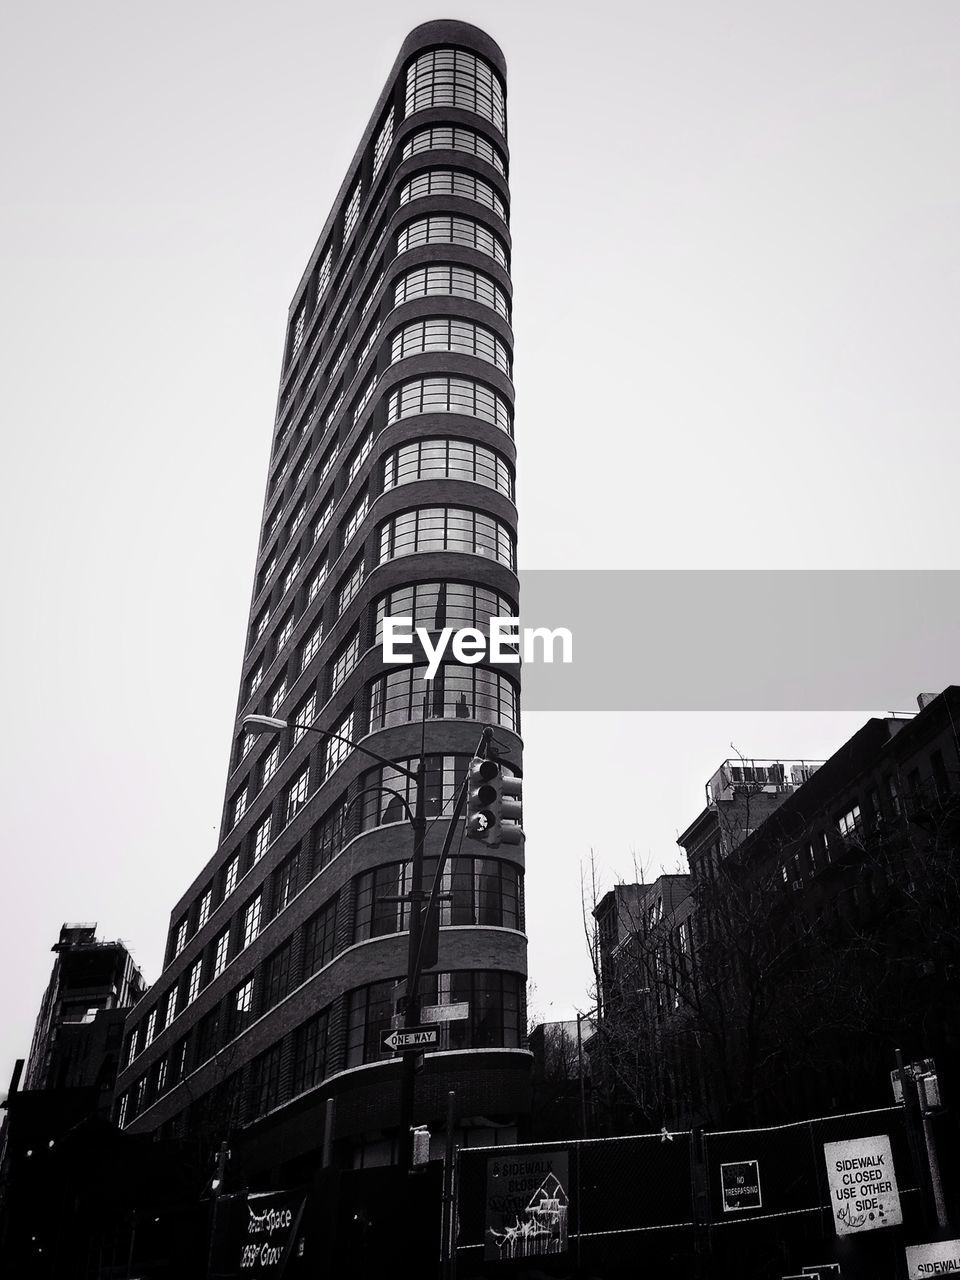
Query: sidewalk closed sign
[
  {"x": 740, "y": 1185},
  {"x": 939, "y": 1259},
  {"x": 863, "y": 1185}
]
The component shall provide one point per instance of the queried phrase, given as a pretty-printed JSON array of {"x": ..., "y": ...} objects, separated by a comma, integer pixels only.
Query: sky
[{"x": 735, "y": 271}]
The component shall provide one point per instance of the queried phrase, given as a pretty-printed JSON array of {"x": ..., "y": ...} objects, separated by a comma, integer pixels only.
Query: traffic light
[{"x": 491, "y": 798}]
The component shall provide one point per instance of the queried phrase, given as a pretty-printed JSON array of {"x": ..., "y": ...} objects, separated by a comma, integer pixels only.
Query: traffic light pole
[{"x": 415, "y": 937}]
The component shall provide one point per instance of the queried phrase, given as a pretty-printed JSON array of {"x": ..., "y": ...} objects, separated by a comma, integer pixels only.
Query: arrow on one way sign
[{"x": 408, "y": 1039}]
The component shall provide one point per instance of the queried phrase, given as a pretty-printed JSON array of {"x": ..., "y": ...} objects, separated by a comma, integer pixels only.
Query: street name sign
[
  {"x": 411, "y": 1039},
  {"x": 445, "y": 1012},
  {"x": 942, "y": 1258},
  {"x": 740, "y": 1186},
  {"x": 825, "y": 1271},
  {"x": 863, "y": 1185}
]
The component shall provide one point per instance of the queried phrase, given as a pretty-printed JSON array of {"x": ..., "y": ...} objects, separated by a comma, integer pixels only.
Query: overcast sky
[{"x": 735, "y": 269}]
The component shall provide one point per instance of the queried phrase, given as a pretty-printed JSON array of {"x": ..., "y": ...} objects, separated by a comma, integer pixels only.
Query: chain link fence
[{"x": 754, "y": 1204}]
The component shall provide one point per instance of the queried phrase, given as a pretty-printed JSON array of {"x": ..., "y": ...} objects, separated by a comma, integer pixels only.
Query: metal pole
[
  {"x": 223, "y": 1155},
  {"x": 583, "y": 1094},
  {"x": 911, "y": 1106},
  {"x": 411, "y": 1012},
  {"x": 936, "y": 1183},
  {"x": 446, "y": 1222}
]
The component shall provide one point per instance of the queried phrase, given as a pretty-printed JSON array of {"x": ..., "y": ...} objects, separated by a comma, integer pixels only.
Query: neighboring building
[
  {"x": 78, "y": 1033},
  {"x": 561, "y": 1080},
  {"x": 390, "y": 492}
]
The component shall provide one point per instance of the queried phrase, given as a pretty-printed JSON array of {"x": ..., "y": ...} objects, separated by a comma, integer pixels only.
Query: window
[
  {"x": 373, "y": 915},
  {"x": 297, "y": 520},
  {"x": 193, "y": 980},
  {"x": 352, "y": 211},
  {"x": 317, "y": 581},
  {"x": 276, "y": 975},
  {"x": 310, "y": 1052},
  {"x": 262, "y": 623},
  {"x": 266, "y": 573},
  {"x": 458, "y": 282},
  {"x": 264, "y": 1091},
  {"x": 456, "y": 692},
  {"x": 435, "y": 605},
  {"x": 449, "y": 395},
  {"x": 180, "y": 938},
  {"x": 443, "y": 777},
  {"x": 132, "y": 1046},
  {"x": 447, "y": 529},
  {"x": 251, "y": 919},
  {"x": 894, "y": 795},
  {"x": 446, "y": 459},
  {"x": 304, "y": 715},
  {"x": 122, "y": 1111},
  {"x": 311, "y": 646},
  {"x": 270, "y": 762},
  {"x": 323, "y": 274},
  {"x": 364, "y": 399},
  {"x": 322, "y": 520},
  {"x": 241, "y": 1008},
  {"x": 361, "y": 452},
  {"x": 345, "y": 661},
  {"x": 262, "y": 838},
  {"x": 459, "y": 336},
  {"x": 298, "y": 327},
  {"x": 208, "y": 1035},
  {"x": 297, "y": 795},
  {"x": 291, "y": 575},
  {"x": 246, "y": 742},
  {"x": 371, "y": 294},
  {"x": 239, "y": 805},
  {"x": 151, "y": 1030},
  {"x": 232, "y": 875},
  {"x": 350, "y": 587},
  {"x": 368, "y": 343},
  {"x": 319, "y": 938},
  {"x": 170, "y": 1010},
  {"x": 285, "y": 632},
  {"x": 456, "y": 78},
  {"x": 369, "y": 1011},
  {"x": 331, "y": 833},
  {"x": 336, "y": 752},
  {"x": 285, "y": 881},
  {"x": 254, "y": 679},
  {"x": 278, "y": 695},
  {"x": 445, "y": 228},
  {"x": 220, "y": 951},
  {"x": 453, "y": 182},
  {"x": 447, "y": 138},
  {"x": 203, "y": 915},
  {"x": 849, "y": 822},
  {"x": 382, "y": 144}
]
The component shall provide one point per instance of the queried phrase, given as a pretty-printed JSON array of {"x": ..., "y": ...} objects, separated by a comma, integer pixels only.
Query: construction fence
[{"x": 749, "y": 1204}]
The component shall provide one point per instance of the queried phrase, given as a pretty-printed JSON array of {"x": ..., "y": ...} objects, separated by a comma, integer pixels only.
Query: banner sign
[
  {"x": 527, "y": 1205},
  {"x": 269, "y": 1231},
  {"x": 863, "y": 1185},
  {"x": 941, "y": 1258},
  {"x": 740, "y": 1186}
]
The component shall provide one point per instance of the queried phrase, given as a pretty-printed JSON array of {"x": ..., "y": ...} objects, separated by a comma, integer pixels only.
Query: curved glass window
[
  {"x": 435, "y": 605},
  {"x": 447, "y": 529},
  {"x": 442, "y": 228},
  {"x": 453, "y": 182},
  {"x": 454, "y": 138},
  {"x": 495, "y": 1000},
  {"x": 451, "y": 282},
  {"x": 449, "y": 334},
  {"x": 455, "y": 693},
  {"x": 449, "y": 395},
  {"x": 448, "y": 460},
  {"x": 476, "y": 891},
  {"x": 456, "y": 78}
]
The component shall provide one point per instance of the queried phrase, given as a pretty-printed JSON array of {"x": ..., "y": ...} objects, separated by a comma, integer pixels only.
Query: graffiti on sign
[
  {"x": 863, "y": 1185},
  {"x": 527, "y": 1205}
]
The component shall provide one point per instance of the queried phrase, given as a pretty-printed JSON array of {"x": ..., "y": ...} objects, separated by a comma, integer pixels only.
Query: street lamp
[{"x": 416, "y": 896}]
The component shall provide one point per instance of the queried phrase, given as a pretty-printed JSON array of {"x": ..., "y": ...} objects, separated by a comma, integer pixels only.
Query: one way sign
[{"x": 409, "y": 1039}]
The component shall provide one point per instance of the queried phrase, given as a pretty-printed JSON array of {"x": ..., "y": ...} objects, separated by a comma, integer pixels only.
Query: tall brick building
[{"x": 390, "y": 492}]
